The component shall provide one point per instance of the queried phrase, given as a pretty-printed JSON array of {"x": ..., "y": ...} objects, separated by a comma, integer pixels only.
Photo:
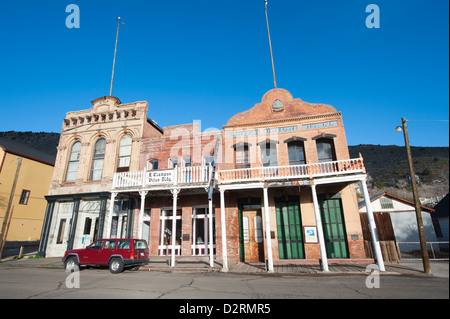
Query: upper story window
[
  {"x": 325, "y": 150},
  {"x": 242, "y": 155},
  {"x": 207, "y": 160},
  {"x": 296, "y": 151},
  {"x": 187, "y": 161},
  {"x": 152, "y": 164},
  {"x": 269, "y": 154},
  {"x": 74, "y": 159},
  {"x": 173, "y": 162},
  {"x": 124, "y": 154},
  {"x": 98, "y": 159}
]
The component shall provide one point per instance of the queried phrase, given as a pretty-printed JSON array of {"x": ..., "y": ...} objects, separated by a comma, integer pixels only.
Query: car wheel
[
  {"x": 116, "y": 265},
  {"x": 72, "y": 264}
]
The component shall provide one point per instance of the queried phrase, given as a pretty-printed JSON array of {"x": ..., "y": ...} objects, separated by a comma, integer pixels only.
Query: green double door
[
  {"x": 289, "y": 229},
  {"x": 333, "y": 228}
]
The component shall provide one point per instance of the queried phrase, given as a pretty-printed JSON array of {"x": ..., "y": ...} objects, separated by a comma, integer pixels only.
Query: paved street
[{"x": 42, "y": 283}]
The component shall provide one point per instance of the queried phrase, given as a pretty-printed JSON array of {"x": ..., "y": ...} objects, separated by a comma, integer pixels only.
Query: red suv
[{"x": 117, "y": 254}]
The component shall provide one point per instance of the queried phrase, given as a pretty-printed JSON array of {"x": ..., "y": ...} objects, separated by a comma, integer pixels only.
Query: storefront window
[
  {"x": 165, "y": 239},
  {"x": 200, "y": 232}
]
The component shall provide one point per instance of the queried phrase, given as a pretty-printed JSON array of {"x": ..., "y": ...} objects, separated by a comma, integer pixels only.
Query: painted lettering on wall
[{"x": 319, "y": 125}]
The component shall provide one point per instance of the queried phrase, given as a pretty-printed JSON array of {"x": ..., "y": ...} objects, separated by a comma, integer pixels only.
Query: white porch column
[
  {"x": 141, "y": 213},
  {"x": 267, "y": 227},
  {"x": 323, "y": 251},
  {"x": 224, "y": 231},
  {"x": 107, "y": 227},
  {"x": 175, "y": 193},
  {"x": 373, "y": 227},
  {"x": 211, "y": 235}
]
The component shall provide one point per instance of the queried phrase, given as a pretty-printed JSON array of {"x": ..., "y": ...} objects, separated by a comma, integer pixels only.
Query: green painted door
[
  {"x": 334, "y": 228},
  {"x": 289, "y": 229}
]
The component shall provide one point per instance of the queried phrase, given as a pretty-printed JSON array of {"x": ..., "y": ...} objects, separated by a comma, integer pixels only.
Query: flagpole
[
  {"x": 270, "y": 45},
  {"x": 114, "y": 61}
]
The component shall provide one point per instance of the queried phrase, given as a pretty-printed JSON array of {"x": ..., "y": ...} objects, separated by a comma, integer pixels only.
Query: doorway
[
  {"x": 333, "y": 227},
  {"x": 289, "y": 228},
  {"x": 252, "y": 235}
]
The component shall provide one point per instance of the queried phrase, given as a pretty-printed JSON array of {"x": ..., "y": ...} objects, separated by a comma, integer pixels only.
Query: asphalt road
[{"x": 38, "y": 283}]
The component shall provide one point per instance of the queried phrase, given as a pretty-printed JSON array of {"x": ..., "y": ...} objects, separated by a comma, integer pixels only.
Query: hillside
[
  {"x": 45, "y": 142},
  {"x": 388, "y": 169},
  {"x": 387, "y": 166}
]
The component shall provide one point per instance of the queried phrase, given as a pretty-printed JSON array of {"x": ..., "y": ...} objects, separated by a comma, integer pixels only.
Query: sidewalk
[{"x": 201, "y": 264}]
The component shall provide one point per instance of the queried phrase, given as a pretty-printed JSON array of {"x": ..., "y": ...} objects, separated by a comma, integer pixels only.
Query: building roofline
[{"x": 374, "y": 198}]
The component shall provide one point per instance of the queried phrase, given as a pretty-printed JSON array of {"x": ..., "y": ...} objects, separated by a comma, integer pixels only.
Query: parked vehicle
[{"x": 117, "y": 254}]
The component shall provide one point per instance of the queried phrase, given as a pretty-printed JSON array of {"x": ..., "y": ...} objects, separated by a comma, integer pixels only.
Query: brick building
[{"x": 277, "y": 183}]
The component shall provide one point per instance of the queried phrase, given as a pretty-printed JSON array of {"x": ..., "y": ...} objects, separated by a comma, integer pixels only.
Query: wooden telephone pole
[{"x": 423, "y": 242}]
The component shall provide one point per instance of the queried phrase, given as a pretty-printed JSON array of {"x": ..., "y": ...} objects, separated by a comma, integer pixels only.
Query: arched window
[
  {"x": 124, "y": 154},
  {"x": 74, "y": 159},
  {"x": 325, "y": 150},
  {"x": 98, "y": 159}
]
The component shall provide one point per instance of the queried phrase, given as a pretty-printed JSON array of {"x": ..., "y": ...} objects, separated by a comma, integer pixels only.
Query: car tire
[
  {"x": 71, "y": 264},
  {"x": 116, "y": 265}
]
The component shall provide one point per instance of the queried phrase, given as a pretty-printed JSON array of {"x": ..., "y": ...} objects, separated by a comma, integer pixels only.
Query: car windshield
[{"x": 140, "y": 244}]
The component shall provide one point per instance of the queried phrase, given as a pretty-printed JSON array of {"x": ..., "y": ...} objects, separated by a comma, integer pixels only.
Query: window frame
[
  {"x": 326, "y": 141},
  {"x": 127, "y": 155},
  {"x": 101, "y": 157},
  {"x": 271, "y": 155},
  {"x": 24, "y": 197},
  {"x": 74, "y": 162},
  {"x": 151, "y": 164},
  {"x": 291, "y": 152},
  {"x": 244, "y": 160}
]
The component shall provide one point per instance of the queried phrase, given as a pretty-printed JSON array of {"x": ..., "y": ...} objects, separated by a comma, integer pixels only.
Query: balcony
[
  {"x": 199, "y": 176},
  {"x": 283, "y": 173},
  {"x": 194, "y": 176}
]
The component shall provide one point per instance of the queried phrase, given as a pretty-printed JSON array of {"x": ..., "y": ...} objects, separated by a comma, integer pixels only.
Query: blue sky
[{"x": 208, "y": 60}]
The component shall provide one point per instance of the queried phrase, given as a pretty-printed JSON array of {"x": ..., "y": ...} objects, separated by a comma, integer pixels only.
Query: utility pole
[
  {"x": 423, "y": 242},
  {"x": 8, "y": 212}
]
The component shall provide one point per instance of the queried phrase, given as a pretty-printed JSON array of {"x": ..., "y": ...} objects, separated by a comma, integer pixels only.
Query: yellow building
[{"x": 27, "y": 205}]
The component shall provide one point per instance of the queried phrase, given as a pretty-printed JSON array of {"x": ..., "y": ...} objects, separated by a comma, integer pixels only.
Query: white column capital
[
  {"x": 143, "y": 193},
  {"x": 175, "y": 192}
]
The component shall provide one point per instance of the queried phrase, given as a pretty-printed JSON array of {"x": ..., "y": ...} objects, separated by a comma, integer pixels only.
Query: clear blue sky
[{"x": 208, "y": 60}]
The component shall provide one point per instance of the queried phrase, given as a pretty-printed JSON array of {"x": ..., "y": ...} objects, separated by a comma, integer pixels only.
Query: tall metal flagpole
[
  {"x": 270, "y": 44},
  {"x": 114, "y": 61}
]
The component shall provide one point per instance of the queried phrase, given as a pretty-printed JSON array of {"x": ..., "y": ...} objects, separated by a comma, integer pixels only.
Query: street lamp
[{"x": 423, "y": 243}]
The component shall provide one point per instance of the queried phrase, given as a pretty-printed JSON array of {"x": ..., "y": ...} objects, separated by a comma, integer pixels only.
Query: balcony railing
[
  {"x": 181, "y": 176},
  {"x": 271, "y": 173},
  {"x": 199, "y": 176}
]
